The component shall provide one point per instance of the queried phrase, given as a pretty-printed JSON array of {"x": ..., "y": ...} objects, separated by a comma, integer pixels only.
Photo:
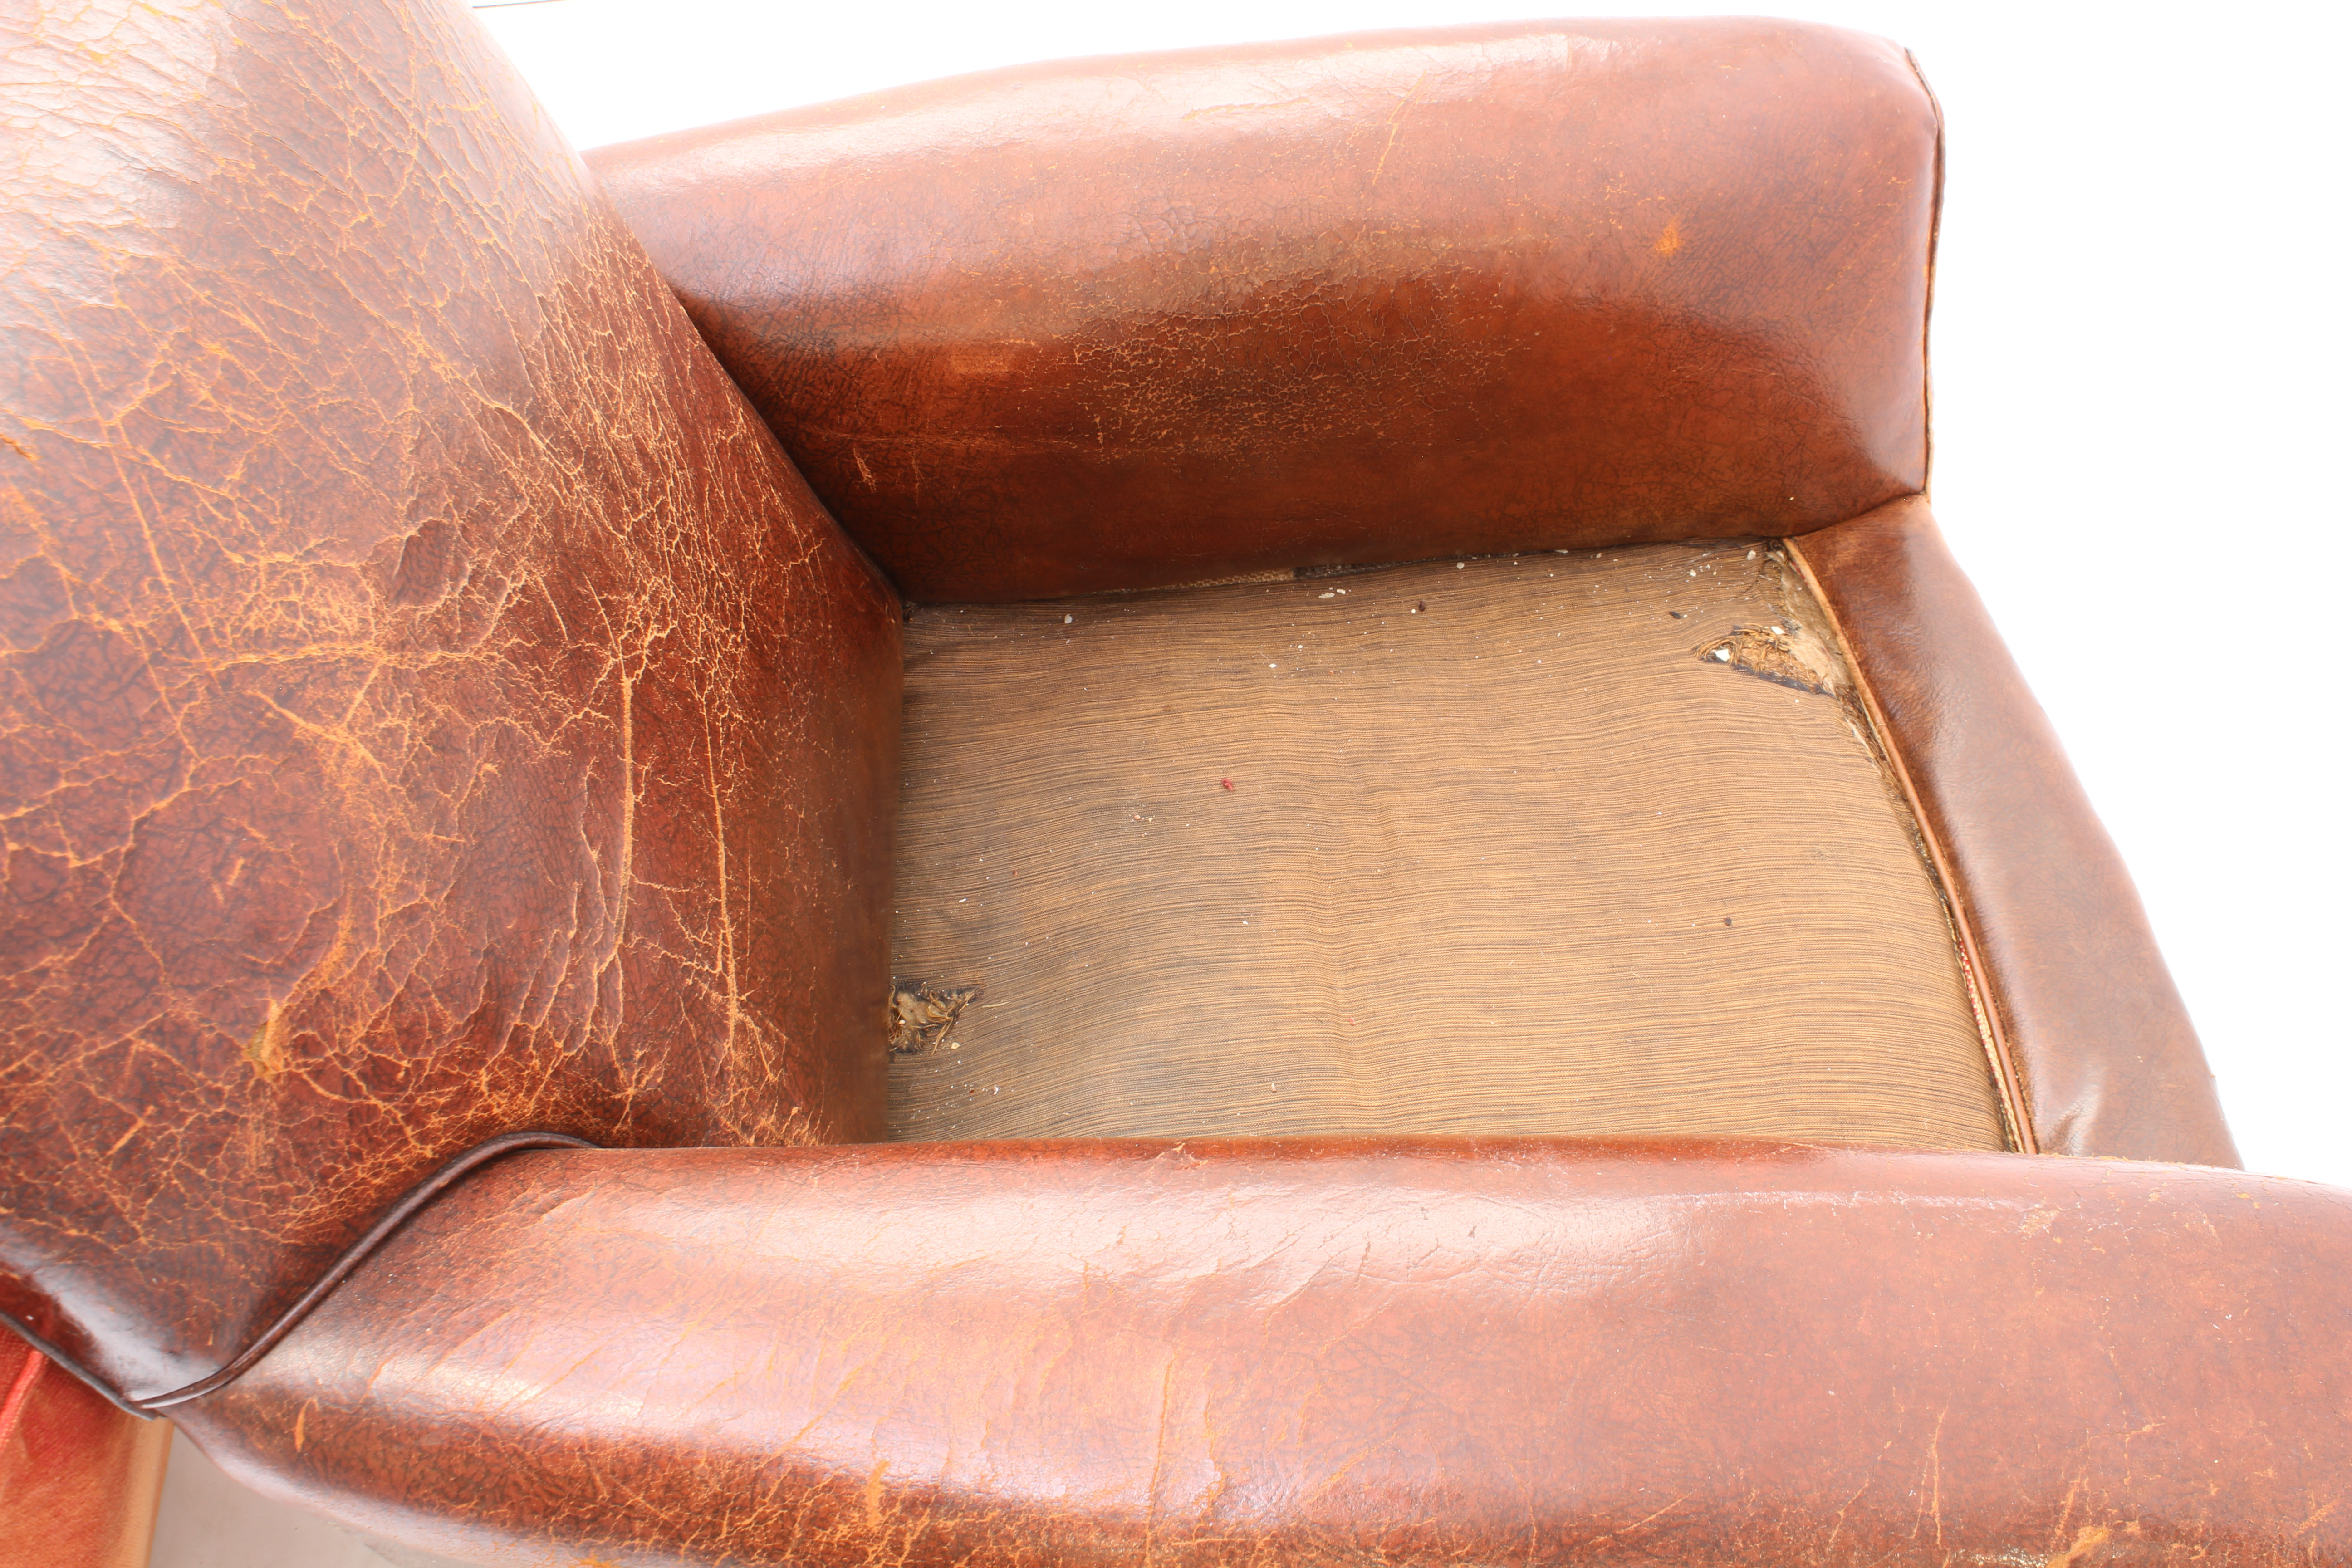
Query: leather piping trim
[
  {"x": 424, "y": 1192},
  {"x": 2007, "y": 1082},
  {"x": 1927, "y": 313}
]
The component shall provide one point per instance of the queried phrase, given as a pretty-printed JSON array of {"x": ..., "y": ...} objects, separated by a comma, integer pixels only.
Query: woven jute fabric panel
[{"x": 1590, "y": 844}]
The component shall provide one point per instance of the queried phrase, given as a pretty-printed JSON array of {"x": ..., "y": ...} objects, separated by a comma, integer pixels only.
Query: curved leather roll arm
[
  {"x": 1415, "y": 1354},
  {"x": 1118, "y": 322},
  {"x": 2084, "y": 1010}
]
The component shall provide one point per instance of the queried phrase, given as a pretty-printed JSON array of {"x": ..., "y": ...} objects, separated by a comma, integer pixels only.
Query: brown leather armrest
[
  {"x": 2085, "y": 1013},
  {"x": 1117, "y": 322},
  {"x": 1436, "y": 1352}
]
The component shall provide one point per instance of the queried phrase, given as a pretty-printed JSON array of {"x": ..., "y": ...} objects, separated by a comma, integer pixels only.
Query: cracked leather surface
[
  {"x": 2108, "y": 1060},
  {"x": 430, "y": 703},
  {"x": 1160, "y": 319},
  {"x": 1295, "y": 1351}
]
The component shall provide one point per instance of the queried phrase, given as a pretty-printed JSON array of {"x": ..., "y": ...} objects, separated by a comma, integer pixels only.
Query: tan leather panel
[
  {"x": 1113, "y": 323},
  {"x": 1416, "y": 1354},
  {"x": 2106, "y": 1058},
  {"x": 1488, "y": 847},
  {"x": 430, "y": 704}
]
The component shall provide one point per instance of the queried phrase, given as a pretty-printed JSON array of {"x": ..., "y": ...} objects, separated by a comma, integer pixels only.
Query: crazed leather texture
[
  {"x": 430, "y": 705},
  {"x": 1152, "y": 319},
  {"x": 80, "y": 1479},
  {"x": 2085, "y": 1007},
  {"x": 1400, "y": 1352}
]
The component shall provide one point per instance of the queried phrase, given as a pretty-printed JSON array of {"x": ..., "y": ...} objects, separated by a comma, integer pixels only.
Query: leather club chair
[{"x": 1220, "y": 808}]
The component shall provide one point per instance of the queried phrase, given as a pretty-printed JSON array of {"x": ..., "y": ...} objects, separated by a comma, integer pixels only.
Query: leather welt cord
[
  {"x": 417, "y": 1197},
  {"x": 2009, "y": 1079}
]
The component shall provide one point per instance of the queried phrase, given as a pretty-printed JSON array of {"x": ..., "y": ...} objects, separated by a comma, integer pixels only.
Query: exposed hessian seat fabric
[{"x": 1583, "y": 843}]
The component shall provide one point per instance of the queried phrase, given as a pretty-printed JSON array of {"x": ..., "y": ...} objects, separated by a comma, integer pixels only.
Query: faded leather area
[
  {"x": 430, "y": 704},
  {"x": 1399, "y": 1353},
  {"x": 1160, "y": 319},
  {"x": 2086, "y": 1011}
]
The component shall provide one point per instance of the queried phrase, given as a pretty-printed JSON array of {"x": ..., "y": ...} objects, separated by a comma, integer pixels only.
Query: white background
[{"x": 2139, "y": 348}]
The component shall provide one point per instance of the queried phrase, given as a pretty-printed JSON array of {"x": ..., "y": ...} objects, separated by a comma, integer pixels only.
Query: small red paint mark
[{"x": 1227, "y": 783}]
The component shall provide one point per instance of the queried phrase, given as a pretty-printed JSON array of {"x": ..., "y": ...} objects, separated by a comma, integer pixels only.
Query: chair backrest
[{"x": 435, "y": 708}]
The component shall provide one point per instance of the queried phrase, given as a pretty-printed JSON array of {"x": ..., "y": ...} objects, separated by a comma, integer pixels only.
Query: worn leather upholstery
[
  {"x": 2084, "y": 1009},
  {"x": 1110, "y": 324},
  {"x": 435, "y": 709},
  {"x": 1312, "y": 1352},
  {"x": 432, "y": 706}
]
